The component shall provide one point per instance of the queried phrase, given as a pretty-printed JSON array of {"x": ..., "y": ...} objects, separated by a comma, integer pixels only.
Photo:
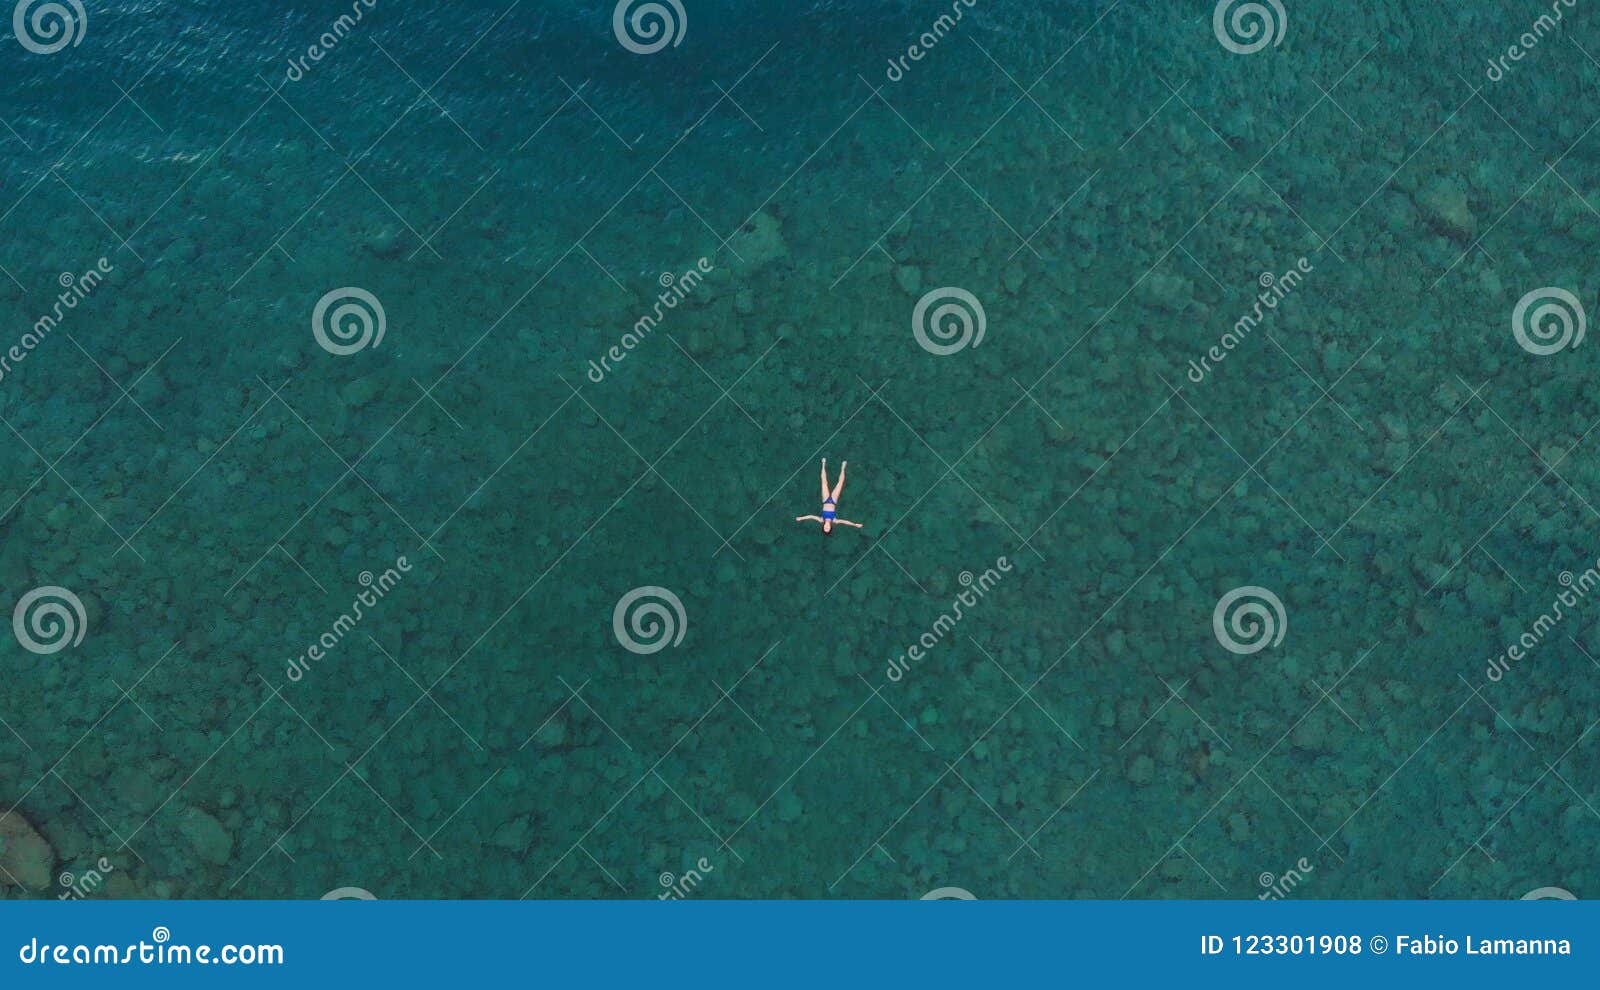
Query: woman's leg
[
  {"x": 838, "y": 486},
  {"x": 824, "y": 479}
]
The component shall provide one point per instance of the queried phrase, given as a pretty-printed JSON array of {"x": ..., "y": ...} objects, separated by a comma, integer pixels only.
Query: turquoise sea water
[{"x": 348, "y": 612}]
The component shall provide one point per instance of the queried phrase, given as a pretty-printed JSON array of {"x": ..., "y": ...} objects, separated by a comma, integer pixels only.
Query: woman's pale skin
[{"x": 830, "y": 501}]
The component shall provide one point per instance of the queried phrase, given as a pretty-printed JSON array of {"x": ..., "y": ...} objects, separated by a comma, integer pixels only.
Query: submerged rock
[
  {"x": 1443, "y": 203},
  {"x": 513, "y": 836},
  {"x": 210, "y": 841},
  {"x": 553, "y": 733},
  {"x": 25, "y": 857},
  {"x": 760, "y": 242},
  {"x": 385, "y": 243}
]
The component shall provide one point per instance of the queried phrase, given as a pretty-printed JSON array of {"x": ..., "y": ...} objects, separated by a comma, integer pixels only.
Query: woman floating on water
[{"x": 830, "y": 502}]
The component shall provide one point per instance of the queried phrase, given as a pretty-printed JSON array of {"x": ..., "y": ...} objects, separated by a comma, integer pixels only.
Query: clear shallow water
[{"x": 1108, "y": 181}]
